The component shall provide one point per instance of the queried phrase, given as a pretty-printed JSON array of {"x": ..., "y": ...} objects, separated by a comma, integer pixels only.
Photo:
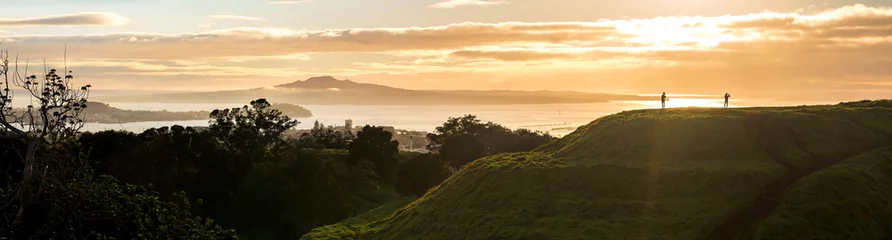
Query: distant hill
[
  {"x": 331, "y": 91},
  {"x": 103, "y": 113},
  {"x": 98, "y": 112},
  {"x": 812, "y": 172}
]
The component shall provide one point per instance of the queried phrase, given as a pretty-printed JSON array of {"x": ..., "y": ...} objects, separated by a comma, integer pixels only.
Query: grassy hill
[{"x": 808, "y": 172}]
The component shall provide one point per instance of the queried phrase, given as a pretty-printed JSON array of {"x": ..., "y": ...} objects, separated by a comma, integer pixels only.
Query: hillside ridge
[
  {"x": 744, "y": 221},
  {"x": 686, "y": 173}
]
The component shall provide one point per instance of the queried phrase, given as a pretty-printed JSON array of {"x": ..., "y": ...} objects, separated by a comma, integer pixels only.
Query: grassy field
[{"x": 756, "y": 173}]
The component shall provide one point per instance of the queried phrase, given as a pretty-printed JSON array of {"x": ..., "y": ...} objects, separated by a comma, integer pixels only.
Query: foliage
[
  {"x": 420, "y": 173},
  {"x": 285, "y": 194},
  {"x": 374, "y": 144},
  {"x": 168, "y": 158},
  {"x": 104, "y": 209},
  {"x": 70, "y": 203},
  {"x": 304, "y": 189},
  {"x": 463, "y": 139},
  {"x": 251, "y": 131},
  {"x": 321, "y": 137},
  {"x": 675, "y": 174},
  {"x": 273, "y": 191},
  {"x": 456, "y": 126},
  {"x": 58, "y": 115},
  {"x": 461, "y": 149}
]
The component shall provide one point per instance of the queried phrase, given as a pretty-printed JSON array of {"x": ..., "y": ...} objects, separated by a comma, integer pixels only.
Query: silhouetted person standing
[
  {"x": 727, "y": 96},
  {"x": 663, "y": 99}
]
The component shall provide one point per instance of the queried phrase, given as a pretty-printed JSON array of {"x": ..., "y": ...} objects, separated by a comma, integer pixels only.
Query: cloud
[
  {"x": 276, "y": 41},
  {"x": 463, "y": 3},
  {"x": 236, "y": 17},
  {"x": 206, "y": 25},
  {"x": 68, "y": 20},
  {"x": 509, "y": 55},
  {"x": 845, "y": 50},
  {"x": 288, "y": 2}
]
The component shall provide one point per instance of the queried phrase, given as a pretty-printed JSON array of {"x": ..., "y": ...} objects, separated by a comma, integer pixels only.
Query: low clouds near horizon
[
  {"x": 838, "y": 53},
  {"x": 68, "y": 20}
]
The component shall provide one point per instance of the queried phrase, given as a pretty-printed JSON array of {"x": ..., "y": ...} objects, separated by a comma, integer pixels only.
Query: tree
[
  {"x": 460, "y": 150},
  {"x": 303, "y": 189},
  {"x": 465, "y": 125},
  {"x": 57, "y": 117},
  {"x": 57, "y": 195},
  {"x": 85, "y": 207},
  {"x": 252, "y": 130},
  {"x": 374, "y": 144},
  {"x": 461, "y": 140},
  {"x": 322, "y": 137},
  {"x": 420, "y": 173},
  {"x": 526, "y": 140}
]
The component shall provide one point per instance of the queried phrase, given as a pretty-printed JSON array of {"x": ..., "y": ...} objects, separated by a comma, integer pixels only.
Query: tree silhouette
[
  {"x": 51, "y": 192},
  {"x": 374, "y": 144},
  {"x": 251, "y": 130},
  {"x": 463, "y": 139},
  {"x": 322, "y": 137},
  {"x": 56, "y": 117},
  {"x": 420, "y": 173},
  {"x": 460, "y": 150}
]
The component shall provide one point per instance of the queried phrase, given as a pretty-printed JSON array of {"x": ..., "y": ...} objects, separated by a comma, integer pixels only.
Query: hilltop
[
  {"x": 331, "y": 91},
  {"x": 808, "y": 172}
]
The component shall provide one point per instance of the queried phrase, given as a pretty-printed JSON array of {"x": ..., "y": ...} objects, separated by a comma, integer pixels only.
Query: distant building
[{"x": 348, "y": 125}]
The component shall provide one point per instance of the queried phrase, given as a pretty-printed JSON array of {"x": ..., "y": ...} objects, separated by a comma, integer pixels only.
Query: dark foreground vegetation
[
  {"x": 245, "y": 176},
  {"x": 808, "y": 172},
  {"x": 238, "y": 178}
]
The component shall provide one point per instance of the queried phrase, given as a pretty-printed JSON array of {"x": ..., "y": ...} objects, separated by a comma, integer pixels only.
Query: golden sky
[{"x": 819, "y": 50}]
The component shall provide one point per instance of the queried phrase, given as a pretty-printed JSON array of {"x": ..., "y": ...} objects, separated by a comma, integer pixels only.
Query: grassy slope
[
  {"x": 669, "y": 174},
  {"x": 354, "y": 227},
  {"x": 851, "y": 200}
]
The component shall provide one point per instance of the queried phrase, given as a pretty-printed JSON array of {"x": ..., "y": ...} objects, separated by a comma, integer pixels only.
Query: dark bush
[{"x": 420, "y": 173}]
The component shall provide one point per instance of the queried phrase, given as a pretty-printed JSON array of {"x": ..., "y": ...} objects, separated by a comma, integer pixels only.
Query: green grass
[
  {"x": 353, "y": 227},
  {"x": 851, "y": 200},
  {"x": 667, "y": 174}
]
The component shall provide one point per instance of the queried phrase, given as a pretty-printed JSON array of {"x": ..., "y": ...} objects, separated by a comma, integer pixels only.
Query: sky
[{"x": 795, "y": 49}]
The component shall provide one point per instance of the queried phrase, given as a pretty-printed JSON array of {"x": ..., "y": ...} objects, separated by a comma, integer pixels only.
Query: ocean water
[{"x": 557, "y": 119}]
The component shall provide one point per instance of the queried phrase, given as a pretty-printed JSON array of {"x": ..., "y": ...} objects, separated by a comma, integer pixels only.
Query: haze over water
[{"x": 541, "y": 117}]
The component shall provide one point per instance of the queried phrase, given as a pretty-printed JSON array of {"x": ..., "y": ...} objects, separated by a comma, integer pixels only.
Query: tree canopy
[
  {"x": 461, "y": 140},
  {"x": 374, "y": 144},
  {"x": 51, "y": 192}
]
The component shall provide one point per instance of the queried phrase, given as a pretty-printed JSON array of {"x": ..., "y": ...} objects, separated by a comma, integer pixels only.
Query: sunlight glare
[{"x": 686, "y": 102}]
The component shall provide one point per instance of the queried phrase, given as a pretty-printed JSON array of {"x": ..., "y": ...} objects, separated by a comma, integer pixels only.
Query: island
[{"x": 98, "y": 112}]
